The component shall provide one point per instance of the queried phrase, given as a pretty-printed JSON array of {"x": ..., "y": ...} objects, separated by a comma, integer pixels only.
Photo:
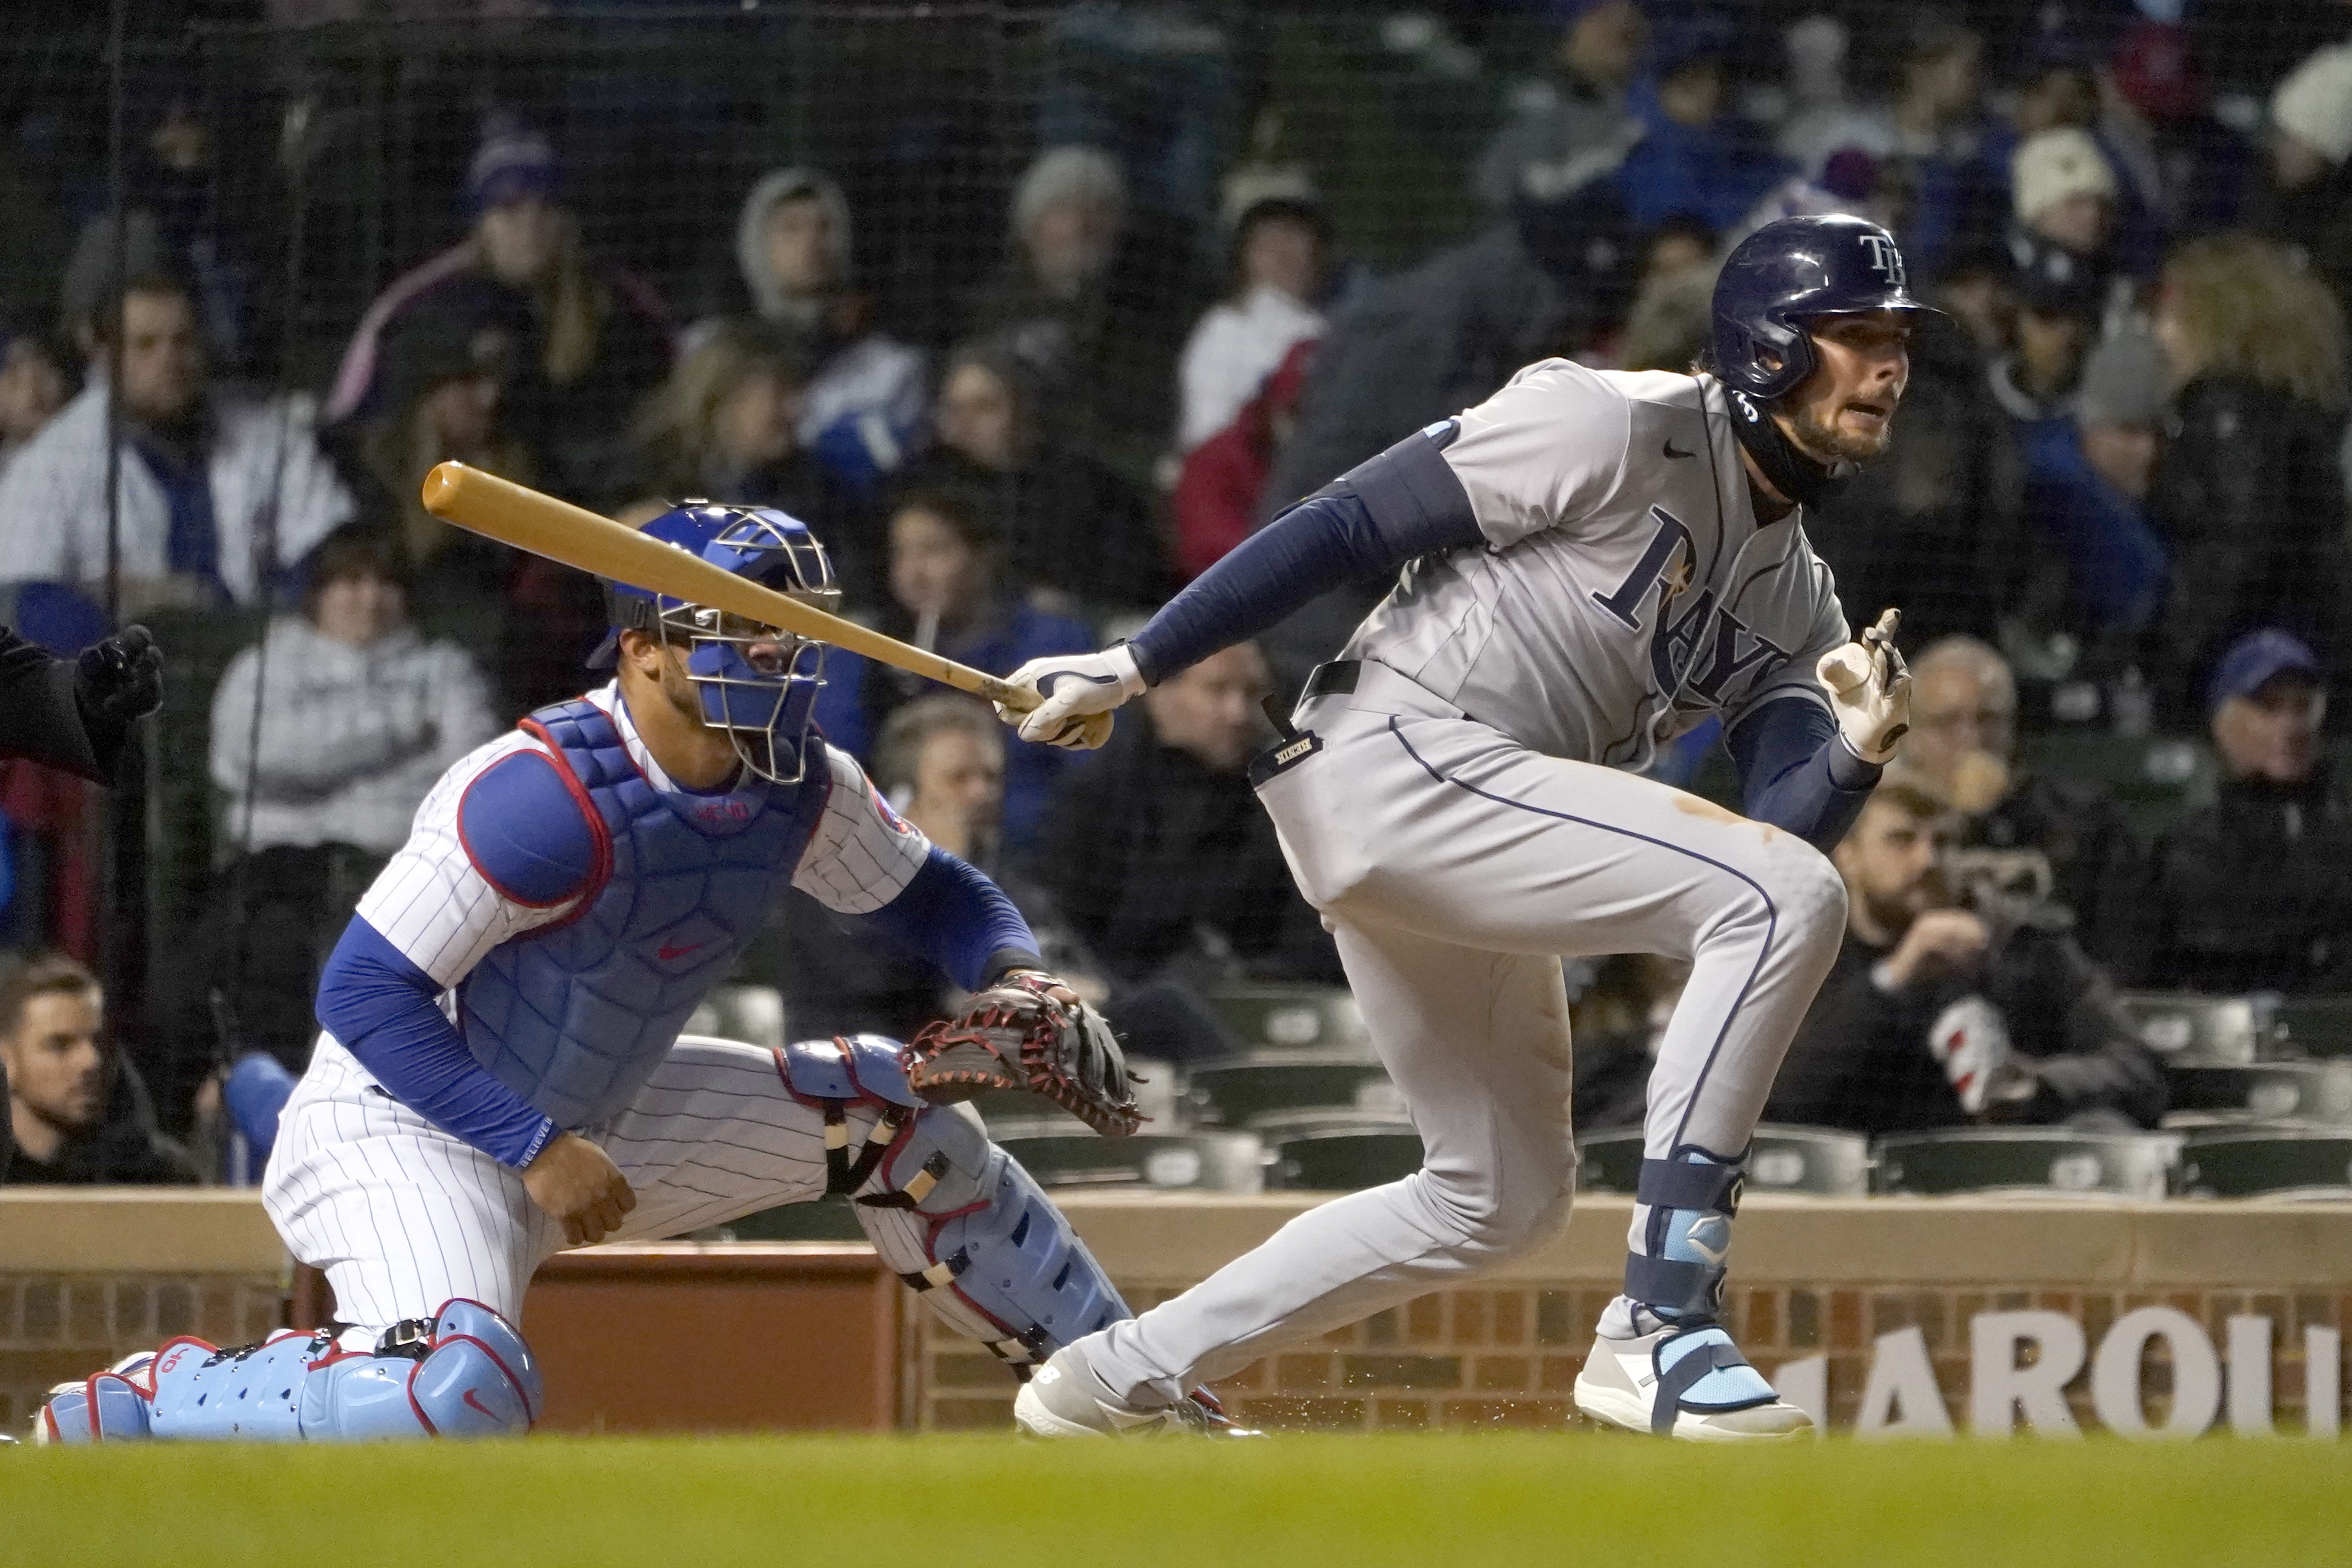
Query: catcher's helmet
[
  {"x": 757, "y": 683},
  {"x": 1788, "y": 272}
]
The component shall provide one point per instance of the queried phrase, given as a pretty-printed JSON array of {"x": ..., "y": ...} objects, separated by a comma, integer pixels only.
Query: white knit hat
[
  {"x": 2052, "y": 165},
  {"x": 2313, "y": 104}
]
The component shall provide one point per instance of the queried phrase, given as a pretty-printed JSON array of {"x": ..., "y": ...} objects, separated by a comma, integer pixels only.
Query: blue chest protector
[{"x": 575, "y": 1017}]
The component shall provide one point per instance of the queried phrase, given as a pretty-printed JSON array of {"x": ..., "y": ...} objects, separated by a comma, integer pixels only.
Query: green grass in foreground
[{"x": 1292, "y": 1502}]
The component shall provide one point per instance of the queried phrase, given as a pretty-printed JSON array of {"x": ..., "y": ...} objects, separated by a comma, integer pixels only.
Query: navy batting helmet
[{"x": 1788, "y": 272}]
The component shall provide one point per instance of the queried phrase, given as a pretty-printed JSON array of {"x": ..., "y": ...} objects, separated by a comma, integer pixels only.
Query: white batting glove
[
  {"x": 1080, "y": 690},
  {"x": 1870, "y": 691}
]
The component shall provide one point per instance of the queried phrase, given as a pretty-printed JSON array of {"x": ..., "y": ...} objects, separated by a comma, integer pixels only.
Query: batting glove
[
  {"x": 1870, "y": 691},
  {"x": 121, "y": 677},
  {"x": 1079, "y": 692}
]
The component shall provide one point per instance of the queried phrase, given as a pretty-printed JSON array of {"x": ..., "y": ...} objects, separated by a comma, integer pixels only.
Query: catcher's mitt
[{"x": 1015, "y": 1034}]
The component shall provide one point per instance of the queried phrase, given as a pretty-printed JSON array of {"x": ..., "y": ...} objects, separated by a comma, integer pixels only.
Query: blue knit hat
[
  {"x": 513, "y": 162},
  {"x": 2258, "y": 657}
]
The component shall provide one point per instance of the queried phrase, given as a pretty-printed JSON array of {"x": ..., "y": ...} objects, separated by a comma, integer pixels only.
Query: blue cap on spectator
[
  {"x": 513, "y": 162},
  {"x": 1687, "y": 37},
  {"x": 2255, "y": 659}
]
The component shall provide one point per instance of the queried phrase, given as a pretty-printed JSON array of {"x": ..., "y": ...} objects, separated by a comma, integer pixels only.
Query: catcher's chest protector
[{"x": 575, "y": 1017}]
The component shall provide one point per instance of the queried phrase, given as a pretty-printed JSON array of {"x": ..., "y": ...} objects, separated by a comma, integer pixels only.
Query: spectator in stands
[
  {"x": 949, "y": 592},
  {"x": 357, "y": 716},
  {"x": 1567, "y": 124},
  {"x": 1698, "y": 156},
  {"x": 2308, "y": 201},
  {"x": 591, "y": 336},
  {"x": 173, "y": 223},
  {"x": 2248, "y": 495},
  {"x": 33, "y": 387},
  {"x": 1669, "y": 322},
  {"x": 209, "y": 478},
  {"x": 1220, "y": 489},
  {"x": 2254, "y": 892},
  {"x": 1940, "y": 145},
  {"x": 2064, "y": 195},
  {"x": 1280, "y": 253},
  {"x": 863, "y": 403},
  {"x": 1947, "y": 1007},
  {"x": 2078, "y": 851},
  {"x": 1090, "y": 313},
  {"x": 445, "y": 383},
  {"x": 1156, "y": 850},
  {"x": 2087, "y": 485},
  {"x": 78, "y": 1113},
  {"x": 726, "y": 426},
  {"x": 2203, "y": 169},
  {"x": 1074, "y": 523}
]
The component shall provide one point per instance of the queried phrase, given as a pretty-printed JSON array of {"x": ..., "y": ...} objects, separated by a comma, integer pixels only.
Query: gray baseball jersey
[{"x": 1626, "y": 590}]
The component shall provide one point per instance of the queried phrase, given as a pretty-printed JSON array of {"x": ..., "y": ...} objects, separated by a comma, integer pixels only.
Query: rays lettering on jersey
[{"x": 1732, "y": 649}]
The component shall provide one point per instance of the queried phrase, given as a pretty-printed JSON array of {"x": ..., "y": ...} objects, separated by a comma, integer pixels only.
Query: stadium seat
[
  {"x": 751, "y": 1014},
  {"x": 2239, "y": 1165},
  {"x": 2154, "y": 778},
  {"x": 1293, "y": 1017},
  {"x": 1206, "y": 1162},
  {"x": 1818, "y": 1160},
  {"x": 1237, "y": 1090},
  {"x": 2317, "y": 1092},
  {"x": 2182, "y": 1026},
  {"x": 1345, "y": 1156},
  {"x": 2313, "y": 1025},
  {"x": 2046, "y": 1161}
]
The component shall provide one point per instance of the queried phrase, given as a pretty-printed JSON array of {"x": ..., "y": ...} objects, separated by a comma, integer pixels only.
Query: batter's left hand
[
  {"x": 1079, "y": 692},
  {"x": 1870, "y": 689}
]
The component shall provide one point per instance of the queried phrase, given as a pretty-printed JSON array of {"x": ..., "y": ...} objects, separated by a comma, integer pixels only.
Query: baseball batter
[
  {"x": 501, "y": 1073},
  {"x": 1592, "y": 561}
]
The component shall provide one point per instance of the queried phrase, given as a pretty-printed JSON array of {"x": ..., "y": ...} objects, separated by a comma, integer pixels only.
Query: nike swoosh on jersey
[
  {"x": 669, "y": 953},
  {"x": 1672, "y": 452}
]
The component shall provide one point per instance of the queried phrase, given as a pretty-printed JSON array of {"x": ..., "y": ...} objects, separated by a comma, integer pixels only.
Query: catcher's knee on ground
[
  {"x": 977, "y": 1238},
  {"x": 463, "y": 1372}
]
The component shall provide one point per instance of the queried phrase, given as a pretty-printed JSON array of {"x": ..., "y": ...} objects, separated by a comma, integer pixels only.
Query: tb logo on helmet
[{"x": 1884, "y": 260}]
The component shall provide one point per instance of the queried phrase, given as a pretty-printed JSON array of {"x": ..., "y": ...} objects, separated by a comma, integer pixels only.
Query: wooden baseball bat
[{"x": 529, "y": 520}]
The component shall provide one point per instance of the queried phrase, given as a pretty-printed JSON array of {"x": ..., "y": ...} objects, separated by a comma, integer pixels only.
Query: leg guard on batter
[
  {"x": 463, "y": 1372},
  {"x": 977, "y": 1239}
]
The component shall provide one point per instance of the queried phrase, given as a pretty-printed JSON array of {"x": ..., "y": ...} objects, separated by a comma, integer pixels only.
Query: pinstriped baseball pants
[
  {"x": 402, "y": 1217},
  {"x": 1456, "y": 868}
]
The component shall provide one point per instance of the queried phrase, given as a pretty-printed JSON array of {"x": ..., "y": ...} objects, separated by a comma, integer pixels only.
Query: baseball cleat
[
  {"x": 1057, "y": 1401},
  {"x": 1687, "y": 1381}
]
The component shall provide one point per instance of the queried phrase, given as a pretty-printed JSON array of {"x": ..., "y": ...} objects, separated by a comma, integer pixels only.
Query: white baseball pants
[{"x": 1456, "y": 868}]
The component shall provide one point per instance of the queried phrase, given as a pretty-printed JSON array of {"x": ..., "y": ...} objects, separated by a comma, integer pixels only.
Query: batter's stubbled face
[{"x": 1844, "y": 411}]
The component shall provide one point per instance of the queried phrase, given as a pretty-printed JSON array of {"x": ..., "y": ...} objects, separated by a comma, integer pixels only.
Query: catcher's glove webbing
[{"x": 1015, "y": 1034}]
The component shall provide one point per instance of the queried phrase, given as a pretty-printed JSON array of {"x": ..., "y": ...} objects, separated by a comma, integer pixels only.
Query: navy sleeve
[
  {"x": 387, "y": 1013},
  {"x": 1369, "y": 522},
  {"x": 1797, "y": 772},
  {"x": 953, "y": 915}
]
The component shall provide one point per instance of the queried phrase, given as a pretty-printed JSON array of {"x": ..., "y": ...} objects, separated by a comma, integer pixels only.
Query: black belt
[{"x": 1336, "y": 678}]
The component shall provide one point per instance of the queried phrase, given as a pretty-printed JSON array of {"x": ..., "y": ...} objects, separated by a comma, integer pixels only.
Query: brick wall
[
  {"x": 56, "y": 1327},
  {"x": 1507, "y": 1357}
]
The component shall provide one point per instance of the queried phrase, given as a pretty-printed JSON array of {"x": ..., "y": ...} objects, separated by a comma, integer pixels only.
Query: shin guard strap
[
  {"x": 1680, "y": 1185},
  {"x": 1685, "y": 1288}
]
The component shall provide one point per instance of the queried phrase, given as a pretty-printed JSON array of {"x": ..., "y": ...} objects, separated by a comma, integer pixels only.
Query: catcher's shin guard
[
  {"x": 977, "y": 1238},
  {"x": 850, "y": 1070},
  {"x": 463, "y": 1372}
]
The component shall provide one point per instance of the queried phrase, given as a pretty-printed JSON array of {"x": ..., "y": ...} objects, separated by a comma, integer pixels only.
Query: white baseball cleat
[
  {"x": 1056, "y": 1403},
  {"x": 1687, "y": 1381}
]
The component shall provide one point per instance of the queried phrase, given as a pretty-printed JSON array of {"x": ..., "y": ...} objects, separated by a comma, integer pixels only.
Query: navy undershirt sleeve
[
  {"x": 1797, "y": 772},
  {"x": 1373, "y": 518},
  {"x": 387, "y": 1013},
  {"x": 951, "y": 913}
]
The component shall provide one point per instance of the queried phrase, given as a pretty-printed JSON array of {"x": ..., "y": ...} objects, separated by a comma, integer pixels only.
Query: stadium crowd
[{"x": 2115, "y": 511}]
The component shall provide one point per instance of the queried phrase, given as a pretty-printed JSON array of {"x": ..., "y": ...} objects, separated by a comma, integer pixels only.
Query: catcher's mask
[{"x": 755, "y": 681}]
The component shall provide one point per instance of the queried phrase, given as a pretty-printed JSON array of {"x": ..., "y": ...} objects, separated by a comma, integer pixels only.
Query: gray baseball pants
[{"x": 1456, "y": 868}]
